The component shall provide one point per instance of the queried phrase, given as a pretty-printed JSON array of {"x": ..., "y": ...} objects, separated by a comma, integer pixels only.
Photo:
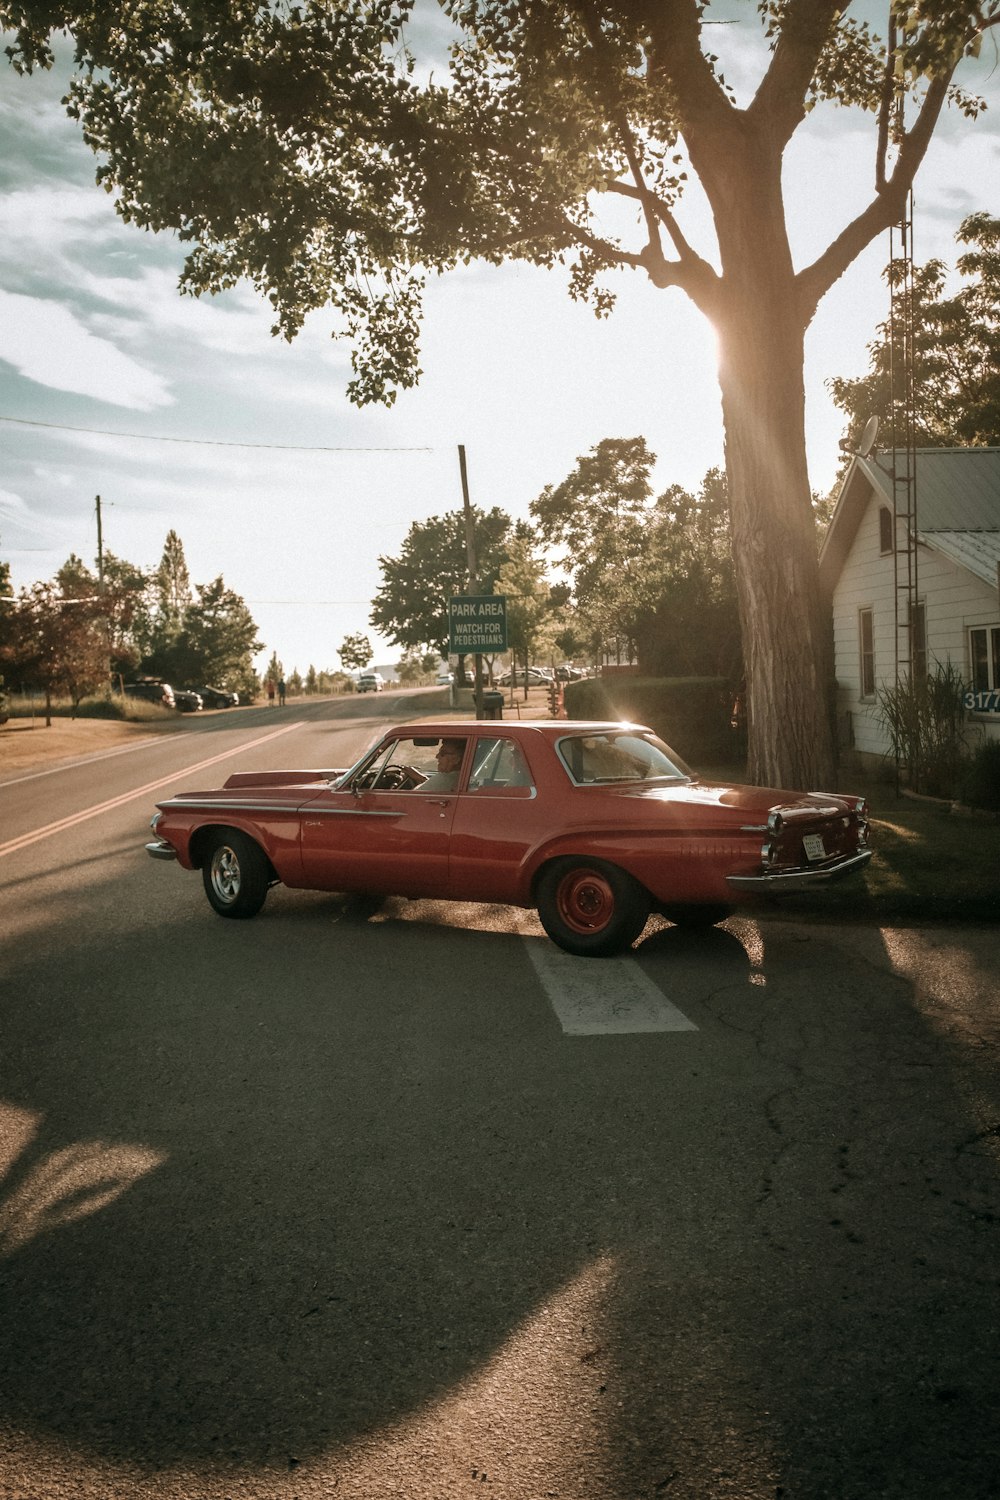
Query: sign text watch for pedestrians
[{"x": 477, "y": 623}]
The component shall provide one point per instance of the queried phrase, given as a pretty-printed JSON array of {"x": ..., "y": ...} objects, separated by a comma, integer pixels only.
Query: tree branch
[
  {"x": 814, "y": 281},
  {"x": 697, "y": 271},
  {"x": 779, "y": 104}
]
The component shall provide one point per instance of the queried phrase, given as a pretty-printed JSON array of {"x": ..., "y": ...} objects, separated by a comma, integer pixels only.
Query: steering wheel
[{"x": 398, "y": 777}]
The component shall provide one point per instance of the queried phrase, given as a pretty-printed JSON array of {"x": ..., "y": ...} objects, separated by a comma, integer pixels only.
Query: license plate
[{"x": 813, "y": 845}]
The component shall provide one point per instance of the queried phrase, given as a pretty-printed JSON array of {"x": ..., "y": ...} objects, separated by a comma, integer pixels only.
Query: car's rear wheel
[
  {"x": 236, "y": 875},
  {"x": 591, "y": 908}
]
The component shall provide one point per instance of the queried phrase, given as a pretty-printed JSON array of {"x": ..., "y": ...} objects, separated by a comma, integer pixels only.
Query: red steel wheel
[{"x": 591, "y": 908}]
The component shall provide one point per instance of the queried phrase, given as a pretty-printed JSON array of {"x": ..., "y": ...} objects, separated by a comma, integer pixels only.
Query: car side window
[
  {"x": 616, "y": 757},
  {"x": 412, "y": 763},
  {"x": 499, "y": 767}
]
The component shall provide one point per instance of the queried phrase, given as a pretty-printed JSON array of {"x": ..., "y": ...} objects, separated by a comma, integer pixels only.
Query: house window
[
  {"x": 866, "y": 638},
  {"x": 885, "y": 530},
  {"x": 984, "y": 653},
  {"x": 918, "y": 642}
]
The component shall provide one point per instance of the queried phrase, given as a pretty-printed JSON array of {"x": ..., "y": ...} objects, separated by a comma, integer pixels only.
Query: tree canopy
[
  {"x": 411, "y": 607},
  {"x": 355, "y": 652},
  {"x": 68, "y": 634},
  {"x": 301, "y": 147},
  {"x": 954, "y": 336},
  {"x": 652, "y": 577}
]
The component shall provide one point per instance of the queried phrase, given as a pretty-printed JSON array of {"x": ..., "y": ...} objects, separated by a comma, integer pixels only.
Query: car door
[
  {"x": 497, "y": 822},
  {"x": 379, "y": 838}
]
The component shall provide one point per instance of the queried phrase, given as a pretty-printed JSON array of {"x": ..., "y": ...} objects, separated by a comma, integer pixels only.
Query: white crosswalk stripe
[{"x": 602, "y": 996}]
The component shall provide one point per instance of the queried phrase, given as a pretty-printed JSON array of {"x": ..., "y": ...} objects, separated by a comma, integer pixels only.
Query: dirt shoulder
[{"x": 28, "y": 744}]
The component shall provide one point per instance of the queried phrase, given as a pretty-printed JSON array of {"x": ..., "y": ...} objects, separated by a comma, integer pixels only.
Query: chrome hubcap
[{"x": 225, "y": 874}]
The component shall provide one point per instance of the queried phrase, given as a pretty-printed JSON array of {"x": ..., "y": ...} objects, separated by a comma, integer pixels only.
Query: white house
[{"x": 916, "y": 581}]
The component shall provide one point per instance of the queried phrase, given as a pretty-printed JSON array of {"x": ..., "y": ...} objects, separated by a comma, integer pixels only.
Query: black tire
[
  {"x": 693, "y": 917},
  {"x": 236, "y": 875},
  {"x": 590, "y": 908}
]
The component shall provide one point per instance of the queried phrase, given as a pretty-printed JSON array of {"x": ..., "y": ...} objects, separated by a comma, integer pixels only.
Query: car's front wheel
[
  {"x": 590, "y": 908},
  {"x": 236, "y": 875}
]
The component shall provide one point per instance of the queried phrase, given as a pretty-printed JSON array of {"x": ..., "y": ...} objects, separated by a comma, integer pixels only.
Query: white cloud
[{"x": 47, "y": 343}]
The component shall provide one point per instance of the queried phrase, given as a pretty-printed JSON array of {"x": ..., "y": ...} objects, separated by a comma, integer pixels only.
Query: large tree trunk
[
  {"x": 761, "y": 333},
  {"x": 774, "y": 546}
]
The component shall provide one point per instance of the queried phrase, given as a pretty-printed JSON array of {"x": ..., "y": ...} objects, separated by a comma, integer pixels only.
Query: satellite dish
[{"x": 868, "y": 437}]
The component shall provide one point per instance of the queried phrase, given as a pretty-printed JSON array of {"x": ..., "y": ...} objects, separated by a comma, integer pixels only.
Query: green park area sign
[{"x": 477, "y": 623}]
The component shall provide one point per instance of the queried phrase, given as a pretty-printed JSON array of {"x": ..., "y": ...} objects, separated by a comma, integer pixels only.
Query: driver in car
[{"x": 449, "y": 761}]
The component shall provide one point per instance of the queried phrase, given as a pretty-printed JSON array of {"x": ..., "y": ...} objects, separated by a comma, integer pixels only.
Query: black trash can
[{"x": 493, "y": 705}]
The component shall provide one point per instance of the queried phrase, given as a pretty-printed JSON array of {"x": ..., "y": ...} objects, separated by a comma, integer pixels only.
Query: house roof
[
  {"x": 957, "y": 506},
  {"x": 978, "y": 551}
]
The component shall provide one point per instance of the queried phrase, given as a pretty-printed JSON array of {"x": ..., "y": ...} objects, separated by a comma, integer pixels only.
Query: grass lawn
[{"x": 929, "y": 865}]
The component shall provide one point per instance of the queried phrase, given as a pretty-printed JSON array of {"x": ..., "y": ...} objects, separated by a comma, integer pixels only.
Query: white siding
[{"x": 954, "y": 600}]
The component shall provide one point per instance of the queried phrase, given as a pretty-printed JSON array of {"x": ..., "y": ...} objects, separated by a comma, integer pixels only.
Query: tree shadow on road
[{"x": 274, "y": 1187}]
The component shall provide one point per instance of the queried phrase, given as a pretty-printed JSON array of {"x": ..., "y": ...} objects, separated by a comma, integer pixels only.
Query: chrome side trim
[
  {"x": 801, "y": 880},
  {"x": 206, "y": 804},
  {"x": 349, "y": 812}
]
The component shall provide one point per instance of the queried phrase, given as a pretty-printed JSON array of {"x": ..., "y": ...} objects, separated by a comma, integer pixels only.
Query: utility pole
[
  {"x": 470, "y": 549},
  {"x": 100, "y": 585},
  {"x": 100, "y": 544}
]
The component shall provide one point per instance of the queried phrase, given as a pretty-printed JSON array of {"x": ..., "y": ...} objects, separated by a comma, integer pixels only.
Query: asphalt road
[{"x": 393, "y": 1203}]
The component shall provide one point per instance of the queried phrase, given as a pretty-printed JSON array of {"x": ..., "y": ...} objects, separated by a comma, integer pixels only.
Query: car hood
[{"x": 307, "y": 778}]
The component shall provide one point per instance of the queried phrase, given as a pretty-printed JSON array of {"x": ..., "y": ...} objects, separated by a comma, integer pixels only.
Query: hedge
[{"x": 692, "y": 714}]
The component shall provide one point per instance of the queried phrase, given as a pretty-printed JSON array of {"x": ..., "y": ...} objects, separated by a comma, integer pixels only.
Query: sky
[{"x": 187, "y": 414}]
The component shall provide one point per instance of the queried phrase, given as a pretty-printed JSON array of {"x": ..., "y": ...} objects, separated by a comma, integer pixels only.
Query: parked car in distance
[
  {"x": 217, "y": 697},
  {"x": 598, "y": 825},
  {"x": 445, "y": 679},
  {"x": 151, "y": 692},
  {"x": 188, "y": 701},
  {"x": 371, "y": 682},
  {"x": 537, "y": 677}
]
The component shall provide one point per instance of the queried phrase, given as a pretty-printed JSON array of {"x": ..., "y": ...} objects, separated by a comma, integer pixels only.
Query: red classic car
[{"x": 596, "y": 825}]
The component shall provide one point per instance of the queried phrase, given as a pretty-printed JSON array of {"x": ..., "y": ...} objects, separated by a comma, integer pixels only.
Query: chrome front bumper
[
  {"x": 801, "y": 880},
  {"x": 160, "y": 849}
]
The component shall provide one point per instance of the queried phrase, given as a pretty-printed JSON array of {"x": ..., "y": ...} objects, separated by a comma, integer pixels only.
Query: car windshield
[{"x": 627, "y": 755}]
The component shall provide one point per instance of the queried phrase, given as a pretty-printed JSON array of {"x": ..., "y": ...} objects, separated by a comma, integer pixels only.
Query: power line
[{"x": 148, "y": 437}]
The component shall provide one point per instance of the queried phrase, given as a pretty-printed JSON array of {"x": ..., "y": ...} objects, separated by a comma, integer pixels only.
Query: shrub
[
  {"x": 102, "y": 708},
  {"x": 925, "y": 720},
  {"x": 691, "y": 713},
  {"x": 979, "y": 786}
]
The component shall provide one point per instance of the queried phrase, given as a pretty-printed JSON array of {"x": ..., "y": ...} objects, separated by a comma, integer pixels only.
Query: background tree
[
  {"x": 411, "y": 607},
  {"x": 652, "y": 579},
  {"x": 274, "y": 671},
  {"x": 54, "y": 643},
  {"x": 216, "y": 643},
  {"x": 598, "y": 517},
  {"x": 121, "y": 602},
  {"x": 956, "y": 344},
  {"x": 356, "y": 652},
  {"x": 692, "y": 627},
  {"x": 522, "y": 579},
  {"x": 350, "y": 174},
  {"x": 170, "y": 586},
  {"x": 172, "y": 582}
]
